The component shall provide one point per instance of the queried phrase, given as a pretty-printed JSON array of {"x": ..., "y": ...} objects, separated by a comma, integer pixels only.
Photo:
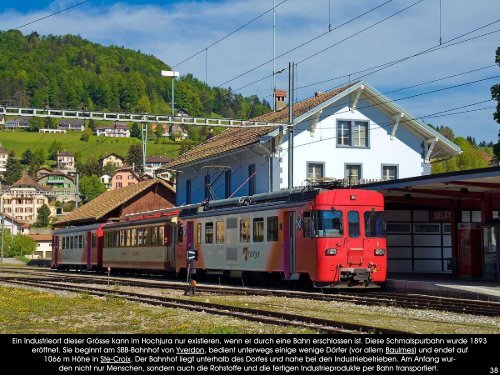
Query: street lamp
[{"x": 173, "y": 74}]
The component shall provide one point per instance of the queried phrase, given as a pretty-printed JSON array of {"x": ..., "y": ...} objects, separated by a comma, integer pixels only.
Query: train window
[
  {"x": 80, "y": 241},
  {"x": 258, "y": 229},
  {"x": 219, "y": 231},
  {"x": 198, "y": 234},
  {"x": 94, "y": 240},
  {"x": 353, "y": 221},
  {"x": 122, "y": 237},
  {"x": 306, "y": 224},
  {"x": 71, "y": 242},
  {"x": 140, "y": 237},
  {"x": 328, "y": 223},
  {"x": 147, "y": 236},
  {"x": 154, "y": 236},
  {"x": 245, "y": 230},
  {"x": 374, "y": 223},
  {"x": 272, "y": 228},
  {"x": 209, "y": 232},
  {"x": 133, "y": 237},
  {"x": 161, "y": 234}
]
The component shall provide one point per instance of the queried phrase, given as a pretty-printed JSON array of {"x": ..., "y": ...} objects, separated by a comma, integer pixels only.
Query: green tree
[
  {"x": 91, "y": 187},
  {"x": 470, "y": 158},
  {"x": 86, "y": 134},
  {"x": 159, "y": 130},
  {"x": 14, "y": 169},
  {"x": 134, "y": 157},
  {"x": 7, "y": 242},
  {"x": 92, "y": 125},
  {"x": 27, "y": 157},
  {"x": 54, "y": 149},
  {"x": 144, "y": 105},
  {"x": 35, "y": 124},
  {"x": 43, "y": 217},
  {"x": 88, "y": 168},
  {"x": 135, "y": 131},
  {"x": 22, "y": 245}
]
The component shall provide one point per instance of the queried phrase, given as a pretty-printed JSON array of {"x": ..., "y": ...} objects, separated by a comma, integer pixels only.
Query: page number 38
[{"x": 493, "y": 370}]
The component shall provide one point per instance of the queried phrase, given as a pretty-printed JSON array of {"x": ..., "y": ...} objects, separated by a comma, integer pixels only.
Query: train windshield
[
  {"x": 374, "y": 223},
  {"x": 328, "y": 223}
]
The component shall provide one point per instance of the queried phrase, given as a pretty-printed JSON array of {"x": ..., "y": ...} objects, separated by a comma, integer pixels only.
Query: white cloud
[{"x": 174, "y": 32}]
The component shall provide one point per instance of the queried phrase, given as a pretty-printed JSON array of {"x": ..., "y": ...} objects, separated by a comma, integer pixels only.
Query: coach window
[
  {"x": 209, "y": 232},
  {"x": 258, "y": 229},
  {"x": 161, "y": 235},
  {"x": 133, "y": 237},
  {"x": 245, "y": 230},
  {"x": 374, "y": 223},
  {"x": 80, "y": 241},
  {"x": 219, "y": 231},
  {"x": 272, "y": 228},
  {"x": 199, "y": 233},
  {"x": 154, "y": 236},
  {"x": 353, "y": 222},
  {"x": 71, "y": 242},
  {"x": 306, "y": 224},
  {"x": 94, "y": 240}
]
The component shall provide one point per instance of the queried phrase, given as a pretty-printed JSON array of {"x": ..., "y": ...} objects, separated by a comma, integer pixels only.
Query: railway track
[
  {"x": 258, "y": 315},
  {"x": 404, "y": 300}
]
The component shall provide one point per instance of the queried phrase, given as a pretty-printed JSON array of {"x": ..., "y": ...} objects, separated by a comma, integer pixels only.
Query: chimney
[
  {"x": 317, "y": 93},
  {"x": 279, "y": 99}
]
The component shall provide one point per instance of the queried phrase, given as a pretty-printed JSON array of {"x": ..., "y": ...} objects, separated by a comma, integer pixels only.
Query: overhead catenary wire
[
  {"x": 388, "y": 64},
  {"x": 229, "y": 34},
  {"x": 307, "y": 42},
  {"x": 53, "y": 14}
]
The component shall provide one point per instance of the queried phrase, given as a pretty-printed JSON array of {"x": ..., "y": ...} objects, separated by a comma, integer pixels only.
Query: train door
[
  {"x": 290, "y": 245},
  {"x": 55, "y": 250},
  {"x": 88, "y": 249},
  {"x": 190, "y": 236},
  {"x": 354, "y": 240}
]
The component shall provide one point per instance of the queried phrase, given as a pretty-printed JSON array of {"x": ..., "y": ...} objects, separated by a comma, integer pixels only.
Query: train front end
[{"x": 351, "y": 247}]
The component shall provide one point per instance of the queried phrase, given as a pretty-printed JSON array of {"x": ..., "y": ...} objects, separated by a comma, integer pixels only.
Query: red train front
[{"x": 347, "y": 227}]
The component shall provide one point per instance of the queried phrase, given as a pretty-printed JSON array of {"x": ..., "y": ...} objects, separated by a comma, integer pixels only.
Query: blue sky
[{"x": 174, "y": 30}]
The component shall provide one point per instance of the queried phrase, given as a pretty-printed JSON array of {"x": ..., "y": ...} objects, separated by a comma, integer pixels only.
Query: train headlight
[
  {"x": 331, "y": 252},
  {"x": 379, "y": 252}
]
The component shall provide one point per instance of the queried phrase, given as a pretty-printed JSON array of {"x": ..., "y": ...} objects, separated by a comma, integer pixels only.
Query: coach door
[
  {"x": 354, "y": 240},
  {"x": 290, "y": 243},
  {"x": 189, "y": 236}
]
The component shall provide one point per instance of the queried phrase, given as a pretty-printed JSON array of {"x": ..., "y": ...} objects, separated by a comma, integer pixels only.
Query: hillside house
[
  {"x": 61, "y": 186},
  {"x": 65, "y": 160},
  {"x": 118, "y": 129},
  {"x": 154, "y": 163},
  {"x": 124, "y": 177},
  {"x": 74, "y": 125},
  {"x": 23, "y": 199},
  {"x": 113, "y": 159},
  {"x": 353, "y": 133},
  {"x": 4, "y": 156},
  {"x": 17, "y": 123}
]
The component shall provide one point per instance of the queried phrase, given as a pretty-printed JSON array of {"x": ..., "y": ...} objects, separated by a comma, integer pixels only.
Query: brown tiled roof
[
  {"x": 235, "y": 138},
  {"x": 108, "y": 201},
  {"x": 40, "y": 237},
  {"x": 26, "y": 181},
  {"x": 65, "y": 153},
  {"x": 157, "y": 159}
]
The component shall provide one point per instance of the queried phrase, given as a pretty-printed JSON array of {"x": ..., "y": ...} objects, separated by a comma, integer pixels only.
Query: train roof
[{"x": 83, "y": 228}]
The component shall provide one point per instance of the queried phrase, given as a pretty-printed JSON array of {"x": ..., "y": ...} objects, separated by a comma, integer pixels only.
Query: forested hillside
[{"x": 70, "y": 72}]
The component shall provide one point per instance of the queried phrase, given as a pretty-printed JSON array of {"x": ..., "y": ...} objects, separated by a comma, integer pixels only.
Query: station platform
[{"x": 443, "y": 285}]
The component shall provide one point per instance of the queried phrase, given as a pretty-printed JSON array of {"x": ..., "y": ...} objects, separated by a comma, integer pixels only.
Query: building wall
[
  {"x": 239, "y": 174},
  {"x": 122, "y": 179},
  {"x": 63, "y": 188},
  {"x": 43, "y": 250},
  {"x": 22, "y": 204},
  {"x": 117, "y": 162},
  {"x": 405, "y": 151}
]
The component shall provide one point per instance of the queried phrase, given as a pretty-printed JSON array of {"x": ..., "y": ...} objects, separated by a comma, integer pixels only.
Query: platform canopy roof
[{"x": 443, "y": 188}]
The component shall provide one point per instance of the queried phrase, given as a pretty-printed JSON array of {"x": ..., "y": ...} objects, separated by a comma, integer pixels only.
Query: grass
[
  {"x": 30, "y": 311},
  {"x": 20, "y": 141}
]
